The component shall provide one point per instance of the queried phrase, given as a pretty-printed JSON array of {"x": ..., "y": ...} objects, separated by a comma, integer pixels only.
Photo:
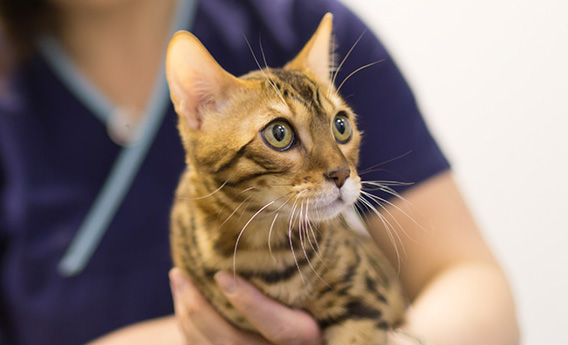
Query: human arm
[
  {"x": 196, "y": 322},
  {"x": 459, "y": 293}
]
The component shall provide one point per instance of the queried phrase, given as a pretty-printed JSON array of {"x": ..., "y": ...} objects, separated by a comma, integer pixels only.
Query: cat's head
[{"x": 283, "y": 136}]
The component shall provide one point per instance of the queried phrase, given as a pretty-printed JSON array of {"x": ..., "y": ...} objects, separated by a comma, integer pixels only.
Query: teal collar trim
[
  {"x": 74, "y": 80},
  {"x": 129, "y": 160}
]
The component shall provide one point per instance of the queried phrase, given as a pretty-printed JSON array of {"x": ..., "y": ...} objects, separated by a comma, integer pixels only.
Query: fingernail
[
  {"x": 177, "y": 281},
  {"x": 226, "y": 281}
]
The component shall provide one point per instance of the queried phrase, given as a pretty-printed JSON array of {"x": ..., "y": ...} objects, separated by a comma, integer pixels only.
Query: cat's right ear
[
  {"x": 197, "y": 83},
  {"x": 316, "y": 56}
]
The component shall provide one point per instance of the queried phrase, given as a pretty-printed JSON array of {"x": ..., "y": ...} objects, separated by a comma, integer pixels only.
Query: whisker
[
  {"x": 262, "y": 50},
  {"x": 224, "y": 207},
  {"x": 387, "y": 184},
  {"x": 379, "y": 202},
  {"x": 333, "y": 67},
  {"x": 245, "y": 208},
  {"x": 246, "y": 190},
  {"x": 270, "y": 235},
  {"x": 370, "y": 196},
  {"x": 332, "y": 82},
  {"x": 234, "y": 211},
  {"x": 385, "y": 162},
  {"x": 397, "y": 195},
  {"x": 313, "y": 234},
  {"x": 392, "y": 226},
  {"x": 357, "y": 70},
  {"x": 316, "y": 249},
  {"x": 294, "y": 207},
  {"x": 357, "y": 210},
  {"x": 241, "y": 234},
  {"x": 302, "y": 243},
  {"x": 284, "y": 204},
  {"x": 387, "y": 228},
  {"x": 205, "y": 196},
  {"x": 264, "y": 73}
]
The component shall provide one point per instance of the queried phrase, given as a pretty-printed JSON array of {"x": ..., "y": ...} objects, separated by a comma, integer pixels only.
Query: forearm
[
  {"x": 157, "y": 331},
  {"x": 467, "y": 303}
]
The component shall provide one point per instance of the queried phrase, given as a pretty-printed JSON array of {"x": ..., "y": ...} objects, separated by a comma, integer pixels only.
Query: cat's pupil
[
  {"x": 279, "y": 132},
  {"x": 340, "y": 125}
]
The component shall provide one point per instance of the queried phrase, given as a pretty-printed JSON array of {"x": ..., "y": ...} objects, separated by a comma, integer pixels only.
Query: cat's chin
[
  {"x": 330, "y": 207},
  {"x": 330, "y": 211}
]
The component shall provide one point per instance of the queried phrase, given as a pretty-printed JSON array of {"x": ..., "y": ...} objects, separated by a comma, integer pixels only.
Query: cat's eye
[
  {"x": 341, "y": 128},
  {"x": 278, "y": 135}
]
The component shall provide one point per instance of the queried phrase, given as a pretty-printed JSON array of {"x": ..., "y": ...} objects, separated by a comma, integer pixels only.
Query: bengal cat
[{"x": 271, "y": 165}]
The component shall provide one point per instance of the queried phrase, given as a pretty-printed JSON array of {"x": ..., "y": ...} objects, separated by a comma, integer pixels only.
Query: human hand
[{"x": 201, "y": 324}]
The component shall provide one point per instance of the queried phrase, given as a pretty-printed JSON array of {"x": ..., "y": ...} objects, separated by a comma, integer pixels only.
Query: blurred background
[{"x": 491, "y": 78}]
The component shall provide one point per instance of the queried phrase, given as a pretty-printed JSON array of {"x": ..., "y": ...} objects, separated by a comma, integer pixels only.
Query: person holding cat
[{"x": 90, "y": 157}]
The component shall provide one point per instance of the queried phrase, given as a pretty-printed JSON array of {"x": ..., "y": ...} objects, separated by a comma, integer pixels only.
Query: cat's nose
[{"x": 338, "y": 176}]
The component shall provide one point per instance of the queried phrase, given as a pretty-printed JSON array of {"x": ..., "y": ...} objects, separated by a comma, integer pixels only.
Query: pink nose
[{"x": 338, "y": 176}]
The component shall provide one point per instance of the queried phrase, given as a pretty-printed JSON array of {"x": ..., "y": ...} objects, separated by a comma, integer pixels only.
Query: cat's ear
[
  {"x": 316, "y": 56},
  {"x": 197, "y": 83}
]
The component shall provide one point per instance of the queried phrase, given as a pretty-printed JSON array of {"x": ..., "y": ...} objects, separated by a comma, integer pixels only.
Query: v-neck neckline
[{"x": 130, "y": 158}]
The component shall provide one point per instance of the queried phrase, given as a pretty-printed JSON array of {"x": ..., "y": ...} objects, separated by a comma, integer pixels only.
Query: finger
[
  {"x": 276, "y": 322},
  {"x": 199, "y": 315},
  {"x": 179, "y": 286},
  {"x": 191, "y": 334}
]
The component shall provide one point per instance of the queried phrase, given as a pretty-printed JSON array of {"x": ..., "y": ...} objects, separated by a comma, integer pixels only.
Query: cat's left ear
[
  {"x": 316, "y": 56},
  {"x": 198, "y": 84}
]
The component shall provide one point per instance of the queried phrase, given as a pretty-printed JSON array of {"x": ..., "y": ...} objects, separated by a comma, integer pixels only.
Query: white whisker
[
  {"x": 304, "y": 230},
  {"x": 357, "y": 70},
  {"x": 264, "y": 73},
  {"x": 380, "y": 202},
  {"x": 387, "y": 228},
  {"x": 246, "y": 190},
  {"x": 369, "y": 169},
  {"x": 392, "y": 192},
  {"x": 332, "y": 81},
  {"x": 240, "y": 235},
  {"x": 316, "y": 249},
  {"x": 294, "y": 207},
  {"x": 270, "y": 235},
  {"x": 213, "y": 192},
  {"x": 312, "y": 232},
  {"x": 235, "y": 211},
  {"x": 284, "y": 204},
  {"x": 392, "y": 227}
]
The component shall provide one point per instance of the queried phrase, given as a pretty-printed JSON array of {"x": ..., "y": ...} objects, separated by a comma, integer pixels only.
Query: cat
[{"x": 271, "y": 165}]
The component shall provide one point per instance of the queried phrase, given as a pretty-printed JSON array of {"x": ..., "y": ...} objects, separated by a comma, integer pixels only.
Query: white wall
[{"x": 492, "y": 80}]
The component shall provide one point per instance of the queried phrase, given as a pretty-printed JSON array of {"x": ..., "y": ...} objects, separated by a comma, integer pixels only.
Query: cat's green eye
[
  {"x": 341, "y": 128},
  {"x": 278, "y": 135}
]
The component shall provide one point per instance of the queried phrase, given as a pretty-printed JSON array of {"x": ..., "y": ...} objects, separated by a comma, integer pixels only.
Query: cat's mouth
[{"x": 334, "y": 202}]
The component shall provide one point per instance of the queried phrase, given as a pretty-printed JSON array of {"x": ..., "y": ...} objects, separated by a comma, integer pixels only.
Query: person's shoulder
[
  {"x": 10, "y": 96},
  {"x": 27, "y": 89},
  {"x": 301, "y": 16},
  {"x": 290, "y": 22},
  {"x": 13, "y": 91}
]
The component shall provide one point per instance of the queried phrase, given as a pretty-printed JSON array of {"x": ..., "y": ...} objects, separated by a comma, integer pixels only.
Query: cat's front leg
[{"x": 356, "y": 332}]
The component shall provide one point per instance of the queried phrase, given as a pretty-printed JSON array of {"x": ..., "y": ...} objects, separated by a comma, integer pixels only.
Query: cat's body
[
  {"x": 353, "y": 280},
  {"x": 271, "y": 164}
]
